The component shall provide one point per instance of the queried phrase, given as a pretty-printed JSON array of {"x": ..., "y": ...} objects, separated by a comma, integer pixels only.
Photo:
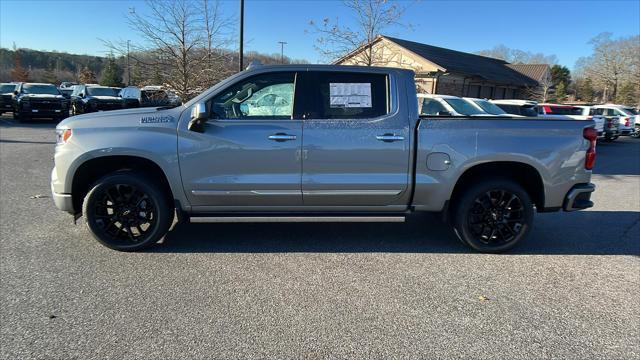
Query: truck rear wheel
[
  {"x": 493, "y": 216},
  {"x": 127, "y": 212}
]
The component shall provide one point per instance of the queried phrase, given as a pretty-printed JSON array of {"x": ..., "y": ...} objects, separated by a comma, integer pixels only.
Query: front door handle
[
  {"x": 280, "y": 137},
  {"x": 390, "y": 137}
]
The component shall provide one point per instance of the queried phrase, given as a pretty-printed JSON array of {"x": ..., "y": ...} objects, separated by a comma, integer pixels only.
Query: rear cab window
[{"x": 341, "y": 95}]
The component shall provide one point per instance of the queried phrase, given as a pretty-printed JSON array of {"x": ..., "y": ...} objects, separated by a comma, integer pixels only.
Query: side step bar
[{"x": 297, "y": 219}]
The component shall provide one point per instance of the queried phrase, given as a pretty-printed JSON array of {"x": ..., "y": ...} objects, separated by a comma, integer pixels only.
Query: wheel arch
[
  {"x": 524, "y": 174},
  {"x": 95, "y": 168}
]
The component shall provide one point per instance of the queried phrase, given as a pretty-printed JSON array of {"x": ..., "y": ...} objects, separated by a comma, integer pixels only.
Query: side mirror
[
  {"x": 199, "y": 116},
  {"x": 81, "y": 95},
  {"x": 15, "y": 92}
]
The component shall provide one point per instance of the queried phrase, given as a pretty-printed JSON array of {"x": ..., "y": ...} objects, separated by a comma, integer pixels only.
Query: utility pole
[
  {"x": 241, "y": 33},
  {"x": 128, "y": 65},
  {"x": 282, "y": 44}
]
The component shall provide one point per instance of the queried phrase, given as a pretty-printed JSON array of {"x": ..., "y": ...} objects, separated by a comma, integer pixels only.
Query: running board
[{"x": 297, "y": 219}]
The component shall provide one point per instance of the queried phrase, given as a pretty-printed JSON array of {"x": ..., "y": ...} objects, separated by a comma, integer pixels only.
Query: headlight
[{"x": 62, "y": 136}]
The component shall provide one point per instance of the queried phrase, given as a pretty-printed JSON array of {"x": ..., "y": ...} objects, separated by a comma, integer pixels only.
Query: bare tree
[
  {"x": 371, "y": 18},
  {"x": 613, "y": 63},
  {"x": 542, "y": 92},
  {"x": 217, "y": 37},
  {"x": 517, "y": 56},
  {"x": 180, "y": 42}
]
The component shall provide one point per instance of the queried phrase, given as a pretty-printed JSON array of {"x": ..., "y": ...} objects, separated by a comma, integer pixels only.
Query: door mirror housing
[{"x": 199, "y": 116}]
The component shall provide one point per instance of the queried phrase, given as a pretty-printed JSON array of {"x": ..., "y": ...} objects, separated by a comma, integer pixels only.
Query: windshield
[
  {"x": 40, "y": 89},
  {"x": 463, "y": 107},
  {"x": 102, "y": 91},
  {"x": 489, "y": 107},
  {"x": 7, "y": 88}
]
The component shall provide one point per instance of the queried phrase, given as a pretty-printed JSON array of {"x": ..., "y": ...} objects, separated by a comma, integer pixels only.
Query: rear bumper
[{"x": 579, "y": 197}]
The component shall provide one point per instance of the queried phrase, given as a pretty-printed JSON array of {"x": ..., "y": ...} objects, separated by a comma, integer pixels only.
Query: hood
[
  {"x": 102, "y": 97},
  {"x": 123, "y": 118},
  {"x": 42, "y": 96}
]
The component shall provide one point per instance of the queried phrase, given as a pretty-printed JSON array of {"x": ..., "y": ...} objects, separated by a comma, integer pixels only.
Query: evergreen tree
[
  {"x": 585, "y": 90},
  {"x": 561, "y": 92},
  {"x": 626, "y": 95},
  {"x": 112, "y": 74}
]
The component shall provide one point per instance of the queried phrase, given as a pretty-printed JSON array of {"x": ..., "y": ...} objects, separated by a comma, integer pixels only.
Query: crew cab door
[
  {"x": 248, "y": 153},
  {"x": 356, "y": 140}
]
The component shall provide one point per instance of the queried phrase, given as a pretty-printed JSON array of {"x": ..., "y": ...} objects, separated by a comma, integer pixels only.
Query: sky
[{"x": 561, "y": 28}]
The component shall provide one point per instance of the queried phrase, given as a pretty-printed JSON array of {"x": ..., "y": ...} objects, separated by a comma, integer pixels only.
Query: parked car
[
  {"x": 66, "y": 92},
  {"x": 518, "y": 107},
  {"x": 6, "y": 97},
  {"x": 150, "y": 96},
  {"x": 39, "y": 100},
  {"x": 607, "y": 128},
  {"x": 91, "y": 98},
  {"x": 627, "y": 116},
  {"x": 67, "y": 84},
  {"x": 447, "y": 105},
  {"x": 367, "y": 155},
  {"x": 557, "y": 111},
  {"x": 488, "y": 107}
]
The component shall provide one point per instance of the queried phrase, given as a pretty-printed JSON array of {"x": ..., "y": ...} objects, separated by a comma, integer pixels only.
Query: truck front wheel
[
  {"x": 493, "y": 215},
  {"x": 125, "y": 211}
]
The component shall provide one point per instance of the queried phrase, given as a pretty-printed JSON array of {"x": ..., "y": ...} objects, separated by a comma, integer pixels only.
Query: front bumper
[
  {"x": 63, "y": 202},
  {"x": 579, "y": 197},
  {"x": 43, "y": 113}
]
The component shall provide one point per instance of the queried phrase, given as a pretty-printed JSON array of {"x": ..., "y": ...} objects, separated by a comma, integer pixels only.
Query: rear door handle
[
  {"x": 280, "y": 137},
  {"x": 390, "y": 138}
]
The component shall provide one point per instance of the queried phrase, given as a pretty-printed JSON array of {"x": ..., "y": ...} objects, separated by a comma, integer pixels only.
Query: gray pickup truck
[{"x": 316, "y": 143}]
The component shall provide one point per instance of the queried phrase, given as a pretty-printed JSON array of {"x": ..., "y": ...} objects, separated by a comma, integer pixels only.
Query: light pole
[
  {"x": 128, "y": 65},
  {"x": 241, "y": 34},
  {"x": 282, "y": 44}
]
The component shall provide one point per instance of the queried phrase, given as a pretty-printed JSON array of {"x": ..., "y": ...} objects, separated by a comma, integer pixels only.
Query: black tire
[
  {"x": 126, "y": 212},
  {"x": 493, "y": 215}
]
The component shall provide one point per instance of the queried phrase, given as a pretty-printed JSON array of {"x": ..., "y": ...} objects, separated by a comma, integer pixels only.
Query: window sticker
[{"x": 350, "y": 95}]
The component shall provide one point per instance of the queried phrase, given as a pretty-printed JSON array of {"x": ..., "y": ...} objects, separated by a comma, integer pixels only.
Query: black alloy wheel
[
  {"x": 493, "y": 215},
  {"x": 496, "y": 217},
  {"x": 124, "y": 211}
]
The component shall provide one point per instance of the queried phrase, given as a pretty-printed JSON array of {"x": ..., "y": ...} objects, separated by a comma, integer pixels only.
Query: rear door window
[{"x": 342, "y": 95}]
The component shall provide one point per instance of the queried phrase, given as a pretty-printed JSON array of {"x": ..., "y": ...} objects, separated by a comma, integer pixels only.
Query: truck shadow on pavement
[
  {"x": 621, "y": 157},
  {"x": 579, "y": 233}
]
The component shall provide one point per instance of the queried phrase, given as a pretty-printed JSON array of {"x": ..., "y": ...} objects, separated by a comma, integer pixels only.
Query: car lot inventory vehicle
[
  {"x": 627, "y": 116},
  {"x": 318, "y": 143},
  {"x": 91, "y": 98},
  {"x": 6, "y": 97},
  {"x": 607, "y": 128},
  {"x": 149, "y": 96},
  {"x": 518, "y": 107},
  {"x": 448, "y": 105},
  {"x": 38, "y": 100},
  {"x": 488, "y": 107}
]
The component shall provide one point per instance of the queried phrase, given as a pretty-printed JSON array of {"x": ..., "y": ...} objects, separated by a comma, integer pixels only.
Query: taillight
[
  {"x": 626, "y": 121},
  {"x": 590, "y": 134},
  {"x": 589, "y": 117}
]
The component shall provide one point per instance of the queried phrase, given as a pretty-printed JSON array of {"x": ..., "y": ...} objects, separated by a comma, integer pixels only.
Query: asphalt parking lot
[{"x": 310, "y": 291}]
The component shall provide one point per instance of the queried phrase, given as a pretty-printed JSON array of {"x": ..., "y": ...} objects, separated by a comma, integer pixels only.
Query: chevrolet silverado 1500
[{"x": 317, "y": 143}]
